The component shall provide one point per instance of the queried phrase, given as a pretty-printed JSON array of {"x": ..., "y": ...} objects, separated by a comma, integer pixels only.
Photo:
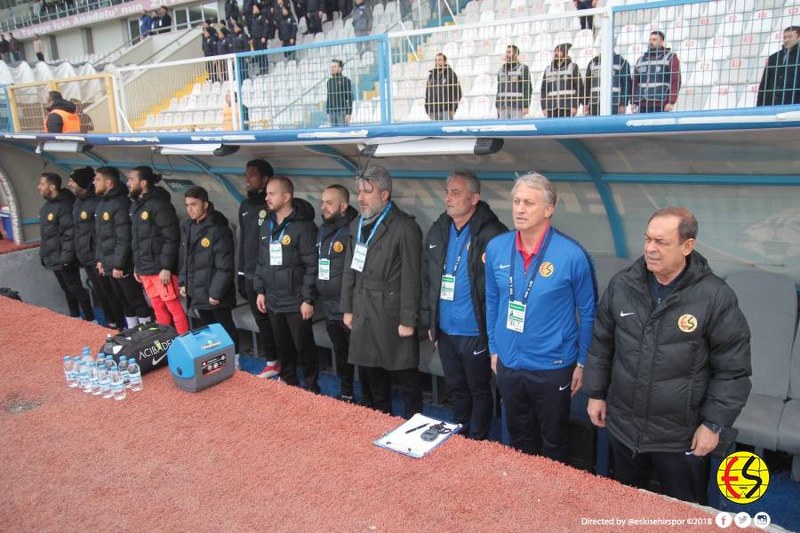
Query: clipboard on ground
[{"x": 418, "y": 436}]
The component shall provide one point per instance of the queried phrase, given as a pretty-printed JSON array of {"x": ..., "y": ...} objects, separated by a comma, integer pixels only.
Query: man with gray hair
[
  {"x": 453, "y": 299},
  {"x": 540, "y": 305},
  {"x": 381, "y": 292}
]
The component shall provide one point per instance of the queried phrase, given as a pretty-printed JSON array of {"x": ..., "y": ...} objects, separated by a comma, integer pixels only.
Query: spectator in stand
[
  {"x": 261, "y": 30},
  {"x": 164, "y": 23},
  {"x": 14, "y": 47},
  {"x": 61, "y": 116},
  {"x": 145, "y": 24},
  {"x": 513, "y": 86},
  {"x": 209, "y": 44},
  {"x": 247, "y": 14},
  {"x": 224, "y": 44},
  {"x": 4, "y": 48},
  {"x": 345, "y": 7},
  {"x": 240, "y": 40},
  {"x": 231, "y": 11},
  {"x": 780, "y": 83},
  {"x": 622, "y": 85},
  {"x": 314, "y": 17},
  {"x": 443, "y": 91},
  {"x": 656, "y": 78},
  {"x": 361, "y": 16},
  {"x": 587, "y": 22},
  {"x": 38, "y": 47},
  {"x": 87, "y": 124},
  {"x": 287, "y": 30},
  {"x": 339, "y": 104},
  {"x": 562, "y": 87}
]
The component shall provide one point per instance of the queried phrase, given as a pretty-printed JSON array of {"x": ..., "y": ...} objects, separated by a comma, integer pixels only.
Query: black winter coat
[
  {"x": 385, "y": 295},
  {"x": 340, "y": 95},
  {"x": 333, "y": 240},
  {"x": 207, "y": 270},
  {"x": 483, "y": 226},
  {"x": 232, "y": 10},
  {"x": 155, "y": 233},
  {"x": 294, "y": 281},
  {"x": 113, "y": 227},
  {"x": 664, "y": 370},
  {"x": 210, "y": 45},
  {"x": 443, "y": 91},
  {"x": 261, "y": 27},
  {"x": 85, "y": 231},
  {"x": 252, "y": 215},
  {"x": 780, "y": 82},
  {"x": 287, "y": 28},
  {"x": 57, "y": 230}
]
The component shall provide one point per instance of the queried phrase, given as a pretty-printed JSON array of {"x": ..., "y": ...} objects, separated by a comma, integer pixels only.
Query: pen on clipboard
[{"x": 416, "y": 428}]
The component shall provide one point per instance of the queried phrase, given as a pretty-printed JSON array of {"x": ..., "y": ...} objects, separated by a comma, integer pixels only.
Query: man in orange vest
[{"x": 61, "y": 115}]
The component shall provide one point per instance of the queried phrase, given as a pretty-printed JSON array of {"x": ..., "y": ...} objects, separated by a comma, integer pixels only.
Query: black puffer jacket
[
  {"x": 333, "y": 240},
  {"x": 155, "y": 232},
  {"x": 252, "y": 215},
  {"x": 663, "y": 371},
  {"x": 85, "y": 232},
  {"x": 484, "y": 226},
  {"x": 288, "y": 285},
  {"x": 113, "y": 227},
  {"x": 57, "y": 231},
  {"x": 207, "y": 270}
]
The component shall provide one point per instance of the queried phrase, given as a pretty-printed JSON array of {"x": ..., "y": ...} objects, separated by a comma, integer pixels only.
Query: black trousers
[
  {"x": 558, "y": 113},
  {"x": 130, "y": 293},
  {"x": 340, "y": 339},
  {"x": 682, "y": 476},
  {"x": 537, "y": 409},
  {"x": 380, "y": 384},
  {"x": 69, "y": 278},
  {"x": 587, "y": 23},
  {"x": 651, "y": 107},
  {"x": 222, "y": 316},
  {"x": 115, "y": 305},
  {"x": 266, "y": 339},
  {"x": 294, "y": 340},
  {"x": 100, "y": 296},
  {"x": 468, "y": 374}
]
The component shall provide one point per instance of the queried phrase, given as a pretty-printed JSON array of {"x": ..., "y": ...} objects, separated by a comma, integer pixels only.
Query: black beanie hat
[{"x": 83, "y": 177}]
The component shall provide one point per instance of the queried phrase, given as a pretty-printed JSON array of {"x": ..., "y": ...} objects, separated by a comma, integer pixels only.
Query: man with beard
[
  {"x": 155, "y": 240},
  {"x": 513, "y": 86},
  {"x": 286, "y": 280},
  {"x": 56, "y": 251},
  {"x": 656, "y": 78}
]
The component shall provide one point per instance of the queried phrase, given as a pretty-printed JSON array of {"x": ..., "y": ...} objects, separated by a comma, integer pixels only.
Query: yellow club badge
[
  {"x": 286, "y": 240},
  {"x": 687, "y": 323},
  {"x": 106, "y": 216},
  {"x": 84, "y": 215},
  {"x": 262, "y": 213},
  {"x": 547, "y": 269},
  {"x": 145, "y": 215},
  {"x": 205, "y": 242},
  {"x": 338, "y": 247},
  {"x": 743, "y": 477},
  {"x": 50, "y": 217}
]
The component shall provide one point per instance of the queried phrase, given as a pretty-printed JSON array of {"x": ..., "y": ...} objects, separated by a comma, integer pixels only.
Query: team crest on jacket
[
  {"x": 145, "y": 215},
  {"x": 286, "y": 240},
  {"x": 205, "y": 242},
  {"x": 106, "y": 216},
  {"x": 84, "y": 215},
  {"x": 50, "y": 216},
  {"x": 687, "y": 323},
  {"x": 338, "y": 247},
  {"x": 547, "y": 269},
  {"x": 262, "y": 213}
]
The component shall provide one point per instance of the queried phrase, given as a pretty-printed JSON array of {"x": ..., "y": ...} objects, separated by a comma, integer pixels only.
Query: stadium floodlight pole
[{"x": 607, "y": 62}]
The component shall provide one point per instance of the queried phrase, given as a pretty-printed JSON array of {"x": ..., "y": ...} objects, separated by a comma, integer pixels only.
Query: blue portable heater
[{"x": 201, "y": 358}]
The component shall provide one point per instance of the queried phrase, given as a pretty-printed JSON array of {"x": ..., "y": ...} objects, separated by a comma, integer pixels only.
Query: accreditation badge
[
  {"x": 275, "y": 254},
  {"x": 324, "y": 270},
  {"x": 359, "y": 258},
  {"x": 516, "y": 316},
  {"x": 448, "y": 287}
]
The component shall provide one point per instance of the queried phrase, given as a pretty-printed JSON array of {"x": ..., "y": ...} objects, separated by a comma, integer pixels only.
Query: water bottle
[
  {"x": 69, "y": 372},
  {"x": 99, "y": 364},
  {"x": 86, "y": 358},
  {"x": 110, "y": 366},
  {"x": 123, "y": 370},
  {"x": 117, "y": 385},
  {"x": 93, "y": 387},
  {"x": 135, "y": 375},
  {"x": 104, "y": 380}
]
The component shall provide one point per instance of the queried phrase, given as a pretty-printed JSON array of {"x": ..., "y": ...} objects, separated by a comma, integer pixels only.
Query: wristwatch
[{"x": 715, "y": 428}]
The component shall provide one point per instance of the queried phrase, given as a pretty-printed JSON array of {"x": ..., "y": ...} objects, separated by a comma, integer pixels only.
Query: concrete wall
[
  {"x": 22, "y": 271},
  {"x": 109, "y": 36},
  {"x": 70, "y": 43}
]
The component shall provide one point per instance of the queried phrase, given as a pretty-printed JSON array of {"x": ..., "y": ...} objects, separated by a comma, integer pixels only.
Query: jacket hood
[
  {"x": 118, "y": 190},
  {"x": 155, "y": 192},
  {"x": 216, "y": 218},
  {"x": 483, "y": 215},
  {"x": 63, "y": 105},
  {"x": 64, "y": 195},
  {"x": 302, "y": 210}
]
